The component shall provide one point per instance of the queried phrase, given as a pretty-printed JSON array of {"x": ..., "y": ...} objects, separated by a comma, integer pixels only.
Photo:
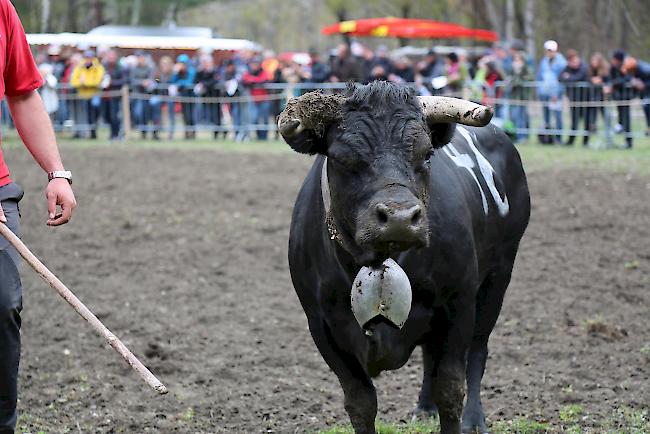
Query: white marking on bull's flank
[
  {"x": 464, "y": 160},
  {"x": 487, "y": 171}
]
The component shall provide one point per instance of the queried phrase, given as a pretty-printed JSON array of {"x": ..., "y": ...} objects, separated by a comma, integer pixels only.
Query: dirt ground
[{"x": 183, "y": 255}]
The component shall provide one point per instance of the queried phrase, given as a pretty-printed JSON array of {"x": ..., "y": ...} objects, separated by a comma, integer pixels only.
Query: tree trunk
[
  {"x": 136, "y": 12},
  {"x": 510, "y": 20},
  {"x": 493, "y": 16},
  {"x": 170, "y": 16},
  {"x": 308, "y": 28},
  {"x": 529, "y": 27},
  {"x": 630, "y": 20},
  {"x": 609, "y": 23},
  {"x": 72, "y": 24},
  {"x": 406, "y": 13},
  {"x": 112, "y": 12},
  {"x": 98, "y": 13},
  {"x": 341, "y": 15},
  {"x": 339, "y": 8},
  {"x": 273, "y": 14},
  {"x": 625, "y": 30},
  {"x": 45, "y": 15}
]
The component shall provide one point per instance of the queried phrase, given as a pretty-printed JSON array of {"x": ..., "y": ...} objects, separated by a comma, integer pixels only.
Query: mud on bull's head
[{"x": 378, "y": 140}]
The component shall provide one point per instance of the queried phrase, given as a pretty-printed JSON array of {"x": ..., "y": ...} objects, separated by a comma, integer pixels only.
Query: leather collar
[{"x": 327, "y": 204}]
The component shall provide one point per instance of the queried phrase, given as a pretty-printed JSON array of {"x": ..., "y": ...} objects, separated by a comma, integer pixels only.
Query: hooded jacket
[
  {"x": 184, "y": 80},
  {"x": 87, "y": 79}
]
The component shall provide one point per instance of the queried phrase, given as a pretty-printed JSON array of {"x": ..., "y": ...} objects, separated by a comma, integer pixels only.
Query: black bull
[{"x": 379, "y": 149}]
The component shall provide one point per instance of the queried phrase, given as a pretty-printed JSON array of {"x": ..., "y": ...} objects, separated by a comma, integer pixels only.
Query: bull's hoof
[
  {"x": 474, "y": 422},
  {"x": 424, "y": 412}
]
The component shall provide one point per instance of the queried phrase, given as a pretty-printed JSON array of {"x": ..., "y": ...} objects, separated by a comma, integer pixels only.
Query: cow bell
[{"x": 382, "y": 291}]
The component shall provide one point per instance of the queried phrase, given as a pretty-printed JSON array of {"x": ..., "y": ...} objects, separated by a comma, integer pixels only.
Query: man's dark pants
[
  {"x": 10, "y": 307},
  {"x": 111, "y": 114}
]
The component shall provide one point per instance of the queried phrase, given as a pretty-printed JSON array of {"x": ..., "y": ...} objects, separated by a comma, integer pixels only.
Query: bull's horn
[
  {"x": 311, "y": 111},
  {"x": 290, "y": 128},
  {"x": 441, "y": 109}
]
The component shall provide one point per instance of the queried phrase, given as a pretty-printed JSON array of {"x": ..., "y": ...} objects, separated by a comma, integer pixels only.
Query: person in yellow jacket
[{"x": 87, "y": 78}]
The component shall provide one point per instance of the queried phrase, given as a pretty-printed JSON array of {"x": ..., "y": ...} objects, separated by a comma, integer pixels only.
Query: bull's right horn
[
  {"x": 442, "y": 109},
  {"x": 311, "y": 111}
]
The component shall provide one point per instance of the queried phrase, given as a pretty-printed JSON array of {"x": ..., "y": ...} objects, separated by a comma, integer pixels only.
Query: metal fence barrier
[{"x": 603, "y": 116}]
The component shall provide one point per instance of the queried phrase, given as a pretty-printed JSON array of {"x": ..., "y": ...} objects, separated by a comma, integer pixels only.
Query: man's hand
[
  {"x": 59, "y": 192},
  {"x": 638, "y": 84}
]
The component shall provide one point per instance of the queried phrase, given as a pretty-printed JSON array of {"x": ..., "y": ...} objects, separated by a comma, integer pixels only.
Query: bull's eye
[
  {"x": 349, "y": 161},
  {"x": 426, "y": 158}
]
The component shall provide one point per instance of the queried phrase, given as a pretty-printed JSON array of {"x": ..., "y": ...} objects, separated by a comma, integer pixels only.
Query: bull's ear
[
  {"x": 305, "y": 121},
  {"x": 307, "y": 142},
  {"x": 441, "y": 134}
]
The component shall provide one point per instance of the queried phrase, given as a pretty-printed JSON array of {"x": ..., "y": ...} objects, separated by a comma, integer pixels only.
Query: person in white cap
[{"x": 550, "y": 90}]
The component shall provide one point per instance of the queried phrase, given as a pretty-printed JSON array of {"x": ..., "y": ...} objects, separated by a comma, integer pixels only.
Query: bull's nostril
[
  {"x": 417, "y": 216},
  {"x": 382, "y": 216}
]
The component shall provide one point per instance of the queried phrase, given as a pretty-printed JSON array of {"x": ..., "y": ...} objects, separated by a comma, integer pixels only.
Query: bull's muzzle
[
  {"x": 383, "y": 291},
  {"x": 394, "y": 221}
]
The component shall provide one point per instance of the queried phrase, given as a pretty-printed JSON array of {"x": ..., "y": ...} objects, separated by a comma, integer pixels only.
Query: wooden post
[
  {"x": 82, "y": 310},
  {"x": 126, "y": 112}
]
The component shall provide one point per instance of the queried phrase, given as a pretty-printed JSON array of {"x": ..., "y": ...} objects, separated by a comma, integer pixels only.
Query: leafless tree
[
  {"x": 136, "y": 12},
  {"x": 45, "y": 15},
  {"x": 529, "y": 27}
]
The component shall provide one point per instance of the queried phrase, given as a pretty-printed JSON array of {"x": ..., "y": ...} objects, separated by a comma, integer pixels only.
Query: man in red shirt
[
  {"x": 20, "y": 79},
  {"x": 260, "y": 107}
]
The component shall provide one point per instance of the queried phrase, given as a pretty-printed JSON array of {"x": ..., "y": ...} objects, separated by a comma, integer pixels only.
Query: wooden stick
[{"x": 82, "y": 310}]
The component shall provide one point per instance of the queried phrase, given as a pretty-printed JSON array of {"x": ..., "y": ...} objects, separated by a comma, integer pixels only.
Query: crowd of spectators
[{"x": 82, "y": 87}]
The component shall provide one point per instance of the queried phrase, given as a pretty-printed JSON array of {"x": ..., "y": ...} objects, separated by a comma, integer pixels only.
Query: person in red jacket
[
  {"x": 260, "y": 107},
  {"x": 20, "y": 80}
]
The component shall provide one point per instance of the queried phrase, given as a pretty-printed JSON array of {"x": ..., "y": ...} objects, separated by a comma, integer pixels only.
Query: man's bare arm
[{"x": 35, "y": 129}]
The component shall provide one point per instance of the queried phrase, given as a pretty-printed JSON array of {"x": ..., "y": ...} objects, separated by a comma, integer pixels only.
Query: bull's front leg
[
  {"x": 451, "y": 359},
  {"x": 360, "y": 397},
  {"x": 360, "y": 403},
  {"x": 426, "y": 407}
]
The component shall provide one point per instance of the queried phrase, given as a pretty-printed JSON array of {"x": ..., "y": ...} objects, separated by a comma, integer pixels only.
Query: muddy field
[{"x": 183, "y": 255}]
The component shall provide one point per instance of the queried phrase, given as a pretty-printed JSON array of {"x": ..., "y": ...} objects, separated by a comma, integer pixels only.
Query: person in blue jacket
[
  {"x": 183, "y": 81},
  {"x": 550, "y": 91}
]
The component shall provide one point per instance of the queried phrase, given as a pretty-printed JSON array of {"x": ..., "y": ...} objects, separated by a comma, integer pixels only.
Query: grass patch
[
  {"x": 599, "y": 327},
  {"x": 520, "y": 425},
  {"x": 570, "y": 416},
  {"x": 415, "y": 427},
  {"x": 573, "y": 420},
  {"x": 253, "y": 146},
  {"x": 626, "y": 420},
  {"x": 534, "y": 156},
  {"x": 30, "y": 424},
  {"x": 188, "y": 415},
  {"x": 635, "y": 160}
]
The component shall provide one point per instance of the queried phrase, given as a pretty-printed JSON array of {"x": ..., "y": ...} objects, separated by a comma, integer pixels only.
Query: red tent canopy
[
  {"x": 408, "y": 28},
  {"x": 361, "y": 27},
  {"x": 433, "y": 31}
]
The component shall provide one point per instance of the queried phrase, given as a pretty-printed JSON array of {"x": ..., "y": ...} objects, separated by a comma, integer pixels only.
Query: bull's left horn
[
  {"x": 442, "y": 109},
  {"x": 312, "y": 111},
  {"x": 290, "y": 128}
]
